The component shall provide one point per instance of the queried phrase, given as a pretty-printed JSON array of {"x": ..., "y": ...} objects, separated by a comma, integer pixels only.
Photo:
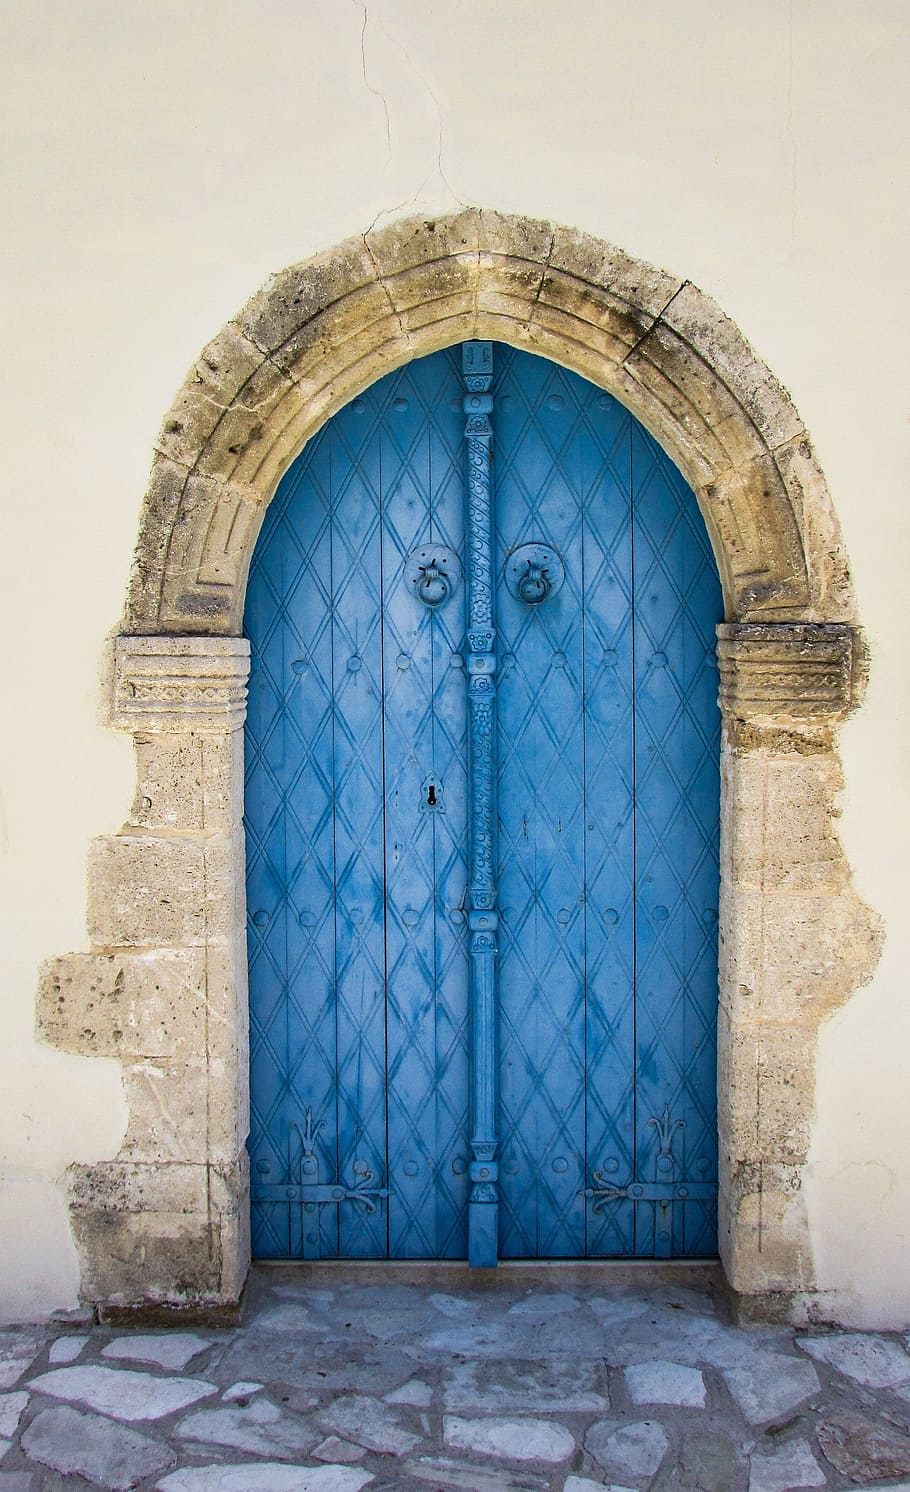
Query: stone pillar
[
  {"x": 164, "y": 988},
  {"x": 795, "y": 940}
]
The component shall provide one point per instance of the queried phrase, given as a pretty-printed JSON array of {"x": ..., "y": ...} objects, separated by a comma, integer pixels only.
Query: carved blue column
[{"x": 483, "y": 1206}]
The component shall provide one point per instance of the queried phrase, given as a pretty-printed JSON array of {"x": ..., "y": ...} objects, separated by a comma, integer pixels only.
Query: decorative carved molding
[
  {"x": 181, "y": 684},
  {"x": 785, "y": 672}
]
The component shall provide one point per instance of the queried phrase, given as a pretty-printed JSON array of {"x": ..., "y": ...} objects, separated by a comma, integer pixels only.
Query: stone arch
[
  {"x": 318, "y": 333},
  {"x": 164, "y": 985}
]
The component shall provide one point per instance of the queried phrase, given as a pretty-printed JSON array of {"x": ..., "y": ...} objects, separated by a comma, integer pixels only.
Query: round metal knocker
[
  {"x": 534, "y": 572},
  {"x": 433, "y": 573}
]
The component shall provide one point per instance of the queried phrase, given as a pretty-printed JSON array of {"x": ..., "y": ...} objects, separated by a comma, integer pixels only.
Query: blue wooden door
[{"x": 358, "y": 834}]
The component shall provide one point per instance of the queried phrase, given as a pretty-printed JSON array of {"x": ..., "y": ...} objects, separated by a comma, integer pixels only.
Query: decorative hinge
[
  {"x": 310, "y": 1193},
  {"x": 662, "y": 1192}
]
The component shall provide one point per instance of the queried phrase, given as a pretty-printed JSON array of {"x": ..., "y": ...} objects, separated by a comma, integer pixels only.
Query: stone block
[
  {"x": 334, "y": 337},
  {"x": 123, "y": 1004},
  {"x": 156, "y": 891},
  {"x": 763, "y": 542},
  {"x": 722, "y": 347},
  {"x": 151, "y": 1258},
  {"x": 176, "y": 1233},
  {"x": 781, "y": 814},
  {"x": 507, "y": 235},
  {"x": 769, "y": 1074},
  {"x": 603, "y": 315},
  {"x": 593, "y": 262},
  {"x": 159, "y": 515},
  {"x": 777, "y": 673},
  {"x": 120, "y": 1187},
  {"x": 181, "y": 685},
  {"x": 248, "y": 425},
  {"x": 146, "y": 891},
  {"x": 219, "y": 377},
  {"x": 189, "y": 782},
  {"x": 795, "y": 957},
  {"x": 183, "y": 1111},
  {"x": 411, "y": 243},
  {"x": 807, "y": 489},
  {"x": 294, "y": 296}
]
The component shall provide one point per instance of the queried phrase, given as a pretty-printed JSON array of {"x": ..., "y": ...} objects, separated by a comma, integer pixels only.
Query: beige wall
[{"x": 163, "y": 158}]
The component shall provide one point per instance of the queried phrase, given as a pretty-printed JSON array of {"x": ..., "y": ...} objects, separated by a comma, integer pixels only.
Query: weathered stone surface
[
  {"x": 188, "y": 782},
  {"x": 18, "y": 1350},
  {"x": 455, "y": 1306},
  {"x": 542, "y": 1307},
  {"x": 861, "y": 1448},
  {"x": 126, "y": 1003},
  {"x": 791, "y": 1467},
  {"x": 181, "y": 684},
  {"x": 121, "y": 1392},
  {"x": 510, "y": 1439},
  {"x": 241, "y": 1390},
  {"x": 414, "y": 1392},
  {"x": 770, "y": 670},
  {"x": 146, "y": 891},
  {"x": 707, "y": 1462},
  {"x": 16, "y": 1481},
  {"x": 12, "y": 1407},
  {"x": 368, "y": 1423},
  {"x": 259, "y": 1428},
  {"x": 339, "y": 1451},
  {"x": 65, "y": 1350},
  {"x": 445, "y": 1471},
  {"x": 666, "y": 1383},
  {"x": 633, "y": 1450},
  {"x": 558, "y": 1386},
  {"x": 876, "y": 1362},
  {"x": 771, "y": 1386},
  {"x": 86, "y": 1445},
  {"x": 172, "y": 1349},
  {"x": 268, "y": 1476},
  {"x": 585, "y": 1484}
]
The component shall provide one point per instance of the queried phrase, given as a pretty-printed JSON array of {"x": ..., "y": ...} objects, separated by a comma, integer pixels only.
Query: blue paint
[
  {"x": 373, "y": 984},
  {"x": 483, "y": 916}
]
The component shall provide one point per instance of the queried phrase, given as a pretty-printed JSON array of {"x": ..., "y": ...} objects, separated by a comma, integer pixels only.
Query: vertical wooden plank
[
  {"x": 677, "y": 603},
  {"x": 605, "y": 442},
  {"x": 290, "y": 840},
  {"x": 541, "y": 811},
  {"x": 418, "y": 468},
  {"x": 358, "y": 776}
]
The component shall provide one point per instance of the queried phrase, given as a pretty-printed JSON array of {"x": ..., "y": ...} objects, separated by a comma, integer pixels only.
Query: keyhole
[{"x": 431, "y": 796}]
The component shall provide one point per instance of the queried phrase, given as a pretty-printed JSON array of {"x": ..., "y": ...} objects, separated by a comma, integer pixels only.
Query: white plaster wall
[{"x": 161, "y": 158}]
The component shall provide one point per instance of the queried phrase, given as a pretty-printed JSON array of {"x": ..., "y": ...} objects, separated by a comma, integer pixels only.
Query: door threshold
[{"x": 509, "y": 1274}]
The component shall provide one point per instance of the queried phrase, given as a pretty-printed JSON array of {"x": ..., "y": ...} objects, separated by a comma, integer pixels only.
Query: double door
[{"x": 481, "y": 817}]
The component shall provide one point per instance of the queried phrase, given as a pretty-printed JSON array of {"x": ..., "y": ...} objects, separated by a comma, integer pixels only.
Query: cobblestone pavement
[{"x": 338, "y": 1381}]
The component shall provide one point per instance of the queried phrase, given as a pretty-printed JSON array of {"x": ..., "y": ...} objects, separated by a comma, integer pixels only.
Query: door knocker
[
  {"x": 432, "y": 572},
  {"x": 533, "y": 573}
]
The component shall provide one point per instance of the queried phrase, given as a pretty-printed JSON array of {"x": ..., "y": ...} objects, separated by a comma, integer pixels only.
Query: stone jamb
[{"x": 164, "y": 986}]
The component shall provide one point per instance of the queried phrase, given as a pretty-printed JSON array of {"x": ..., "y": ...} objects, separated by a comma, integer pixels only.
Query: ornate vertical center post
[{"x": 483, "y": 1206}]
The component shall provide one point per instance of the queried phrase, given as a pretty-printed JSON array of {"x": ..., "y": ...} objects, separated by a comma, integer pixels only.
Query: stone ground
[{"x": 405, "y": 1378}]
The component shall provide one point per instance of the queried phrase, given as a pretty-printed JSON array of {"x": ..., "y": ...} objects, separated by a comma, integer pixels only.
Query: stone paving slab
[{"x": 336, "y": 1382}]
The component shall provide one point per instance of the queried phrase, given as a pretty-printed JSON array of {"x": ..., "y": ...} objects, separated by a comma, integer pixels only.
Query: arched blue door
[{"x": 365, "y": 1048}]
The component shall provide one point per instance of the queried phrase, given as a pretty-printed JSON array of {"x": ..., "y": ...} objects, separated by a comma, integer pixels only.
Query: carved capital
[
  {"x": 181, "y": 684},
  {"x": 783, "y": 673}
]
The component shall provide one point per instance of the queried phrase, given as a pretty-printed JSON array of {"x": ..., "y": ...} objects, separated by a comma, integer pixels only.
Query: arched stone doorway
[{"x": 165, "y": 988}]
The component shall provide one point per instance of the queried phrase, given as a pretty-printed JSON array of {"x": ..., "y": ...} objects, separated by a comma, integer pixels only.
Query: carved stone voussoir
[
  {"x": 184, "y": 684},
  {"x": 776, "y": 673}
]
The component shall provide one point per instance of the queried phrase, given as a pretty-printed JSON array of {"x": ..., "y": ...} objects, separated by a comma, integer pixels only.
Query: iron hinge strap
[
  {"x": 652, "y": 1191},
  {"x": 318, "y": 1192}
]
